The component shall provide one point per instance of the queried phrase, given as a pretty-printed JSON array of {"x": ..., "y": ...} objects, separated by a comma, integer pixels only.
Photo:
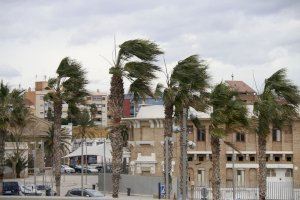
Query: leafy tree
[
  {"x": 18, "y": 162},
  {"x": 68, "y": 86},
  {"x": 4, "y": 122},
  {"x": 93, "y": 110},
  {"x": 276, "y": 105},
  {"x": 229, "y": 113},
  {"x": 134, "y": 62}
]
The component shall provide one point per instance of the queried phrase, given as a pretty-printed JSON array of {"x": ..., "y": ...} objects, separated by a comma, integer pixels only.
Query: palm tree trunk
[
  {"x": 184, "y": 155},
  {"x": 262, "y": 142},
  {"x": 2, "y": 162},
  {"x": 168, "y": 123},
  {"x": 56, "y": 144},
  {"x": 116, "y": 107},
  {"x": 216, "y": 180},
  {"x": 180, "y": 119}
]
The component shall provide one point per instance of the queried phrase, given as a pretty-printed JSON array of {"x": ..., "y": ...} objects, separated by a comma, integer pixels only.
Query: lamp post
[{"x": 104, "y": 167}]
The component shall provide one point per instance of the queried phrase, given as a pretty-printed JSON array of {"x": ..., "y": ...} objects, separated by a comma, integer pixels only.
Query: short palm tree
[
  {"x": 68, "y": 86},
  {"x": 49, "y": 144},
  {"x": 191, "y": 79},
  {"x": 134, "y": 62},
  {"x": 277, "y": 104},
  {"x": 229, "y": 113},
  {"x": 4, "y": 119}
]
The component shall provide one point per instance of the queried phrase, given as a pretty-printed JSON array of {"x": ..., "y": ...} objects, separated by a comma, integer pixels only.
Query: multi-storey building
[
  {"x": 100, "y": 100},
  {"x": 283, "y": 149},
  {"x": 37, "y": 104}
]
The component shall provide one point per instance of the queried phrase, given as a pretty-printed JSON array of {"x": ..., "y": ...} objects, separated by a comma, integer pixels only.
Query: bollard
[{"x": 128, "y": 191}]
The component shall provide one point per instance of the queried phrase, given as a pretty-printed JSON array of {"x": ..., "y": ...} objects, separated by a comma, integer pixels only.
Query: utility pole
[
  {"x": 34, "y": 163},
  {"x": 233, "y": 174},
  {"x": 86, "y": 162},
  {"x": 184, "y": 154},
  {"x": 167, "y": 167},
  {"x": 82, "y": 166},
  {"x": 104, "y": 167}
]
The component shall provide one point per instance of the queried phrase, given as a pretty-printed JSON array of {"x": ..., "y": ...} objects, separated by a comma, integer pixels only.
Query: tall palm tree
[
  {"x": 192, "y": 81},
  {"x": 4, "y": 119},
  {"x": 277, "y": 104},
  {"x": 229, "y": 113},
  {"x": 134, "y": 62},
  {"x": 68, "y": 86}
]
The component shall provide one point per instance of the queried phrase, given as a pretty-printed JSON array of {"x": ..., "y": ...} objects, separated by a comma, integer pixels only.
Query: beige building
[
  {"x": 283, "y": 149},
  {"x": 100, "y": 100}
]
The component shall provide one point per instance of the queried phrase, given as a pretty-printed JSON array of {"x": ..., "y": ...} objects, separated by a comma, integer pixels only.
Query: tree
[
  {"x": 191, "y": 80},
  {"x": 4, "y": 119},
  {"x": 49, "y": 114},
  {"x": 93, "y": 110},
  {"x": 68, "y": 86},
  {"x": 84, "y": 121},
  {"x": 134, "y": 62},
  {"x": 276, "y": 105},
  {"x": 49, "y": 144},
  {"x": 229, "y": 113}
]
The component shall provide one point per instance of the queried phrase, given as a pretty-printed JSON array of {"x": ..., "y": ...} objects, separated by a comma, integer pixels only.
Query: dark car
[
  {"x": 86, "y": 193},
  {"x": 78, "y": 169},
  {"x": 12, "y": 188}
]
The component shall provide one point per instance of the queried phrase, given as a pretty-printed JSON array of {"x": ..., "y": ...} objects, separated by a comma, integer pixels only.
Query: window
[
  {"x": 289, "y": 158},
  {"x": 271, "y": 173},
  {"x": 240, "y": 178},
  {"x": 190, "y": 157},
  {"x": 289, "y": 173},
  {"x": 201, "y": 135},
  {"x": 240, "y": 137},
  {"x": 252, "y": 158},
  {"x": 277, "y": 158},
  {"x": 276, "y": 135},
  {"x": 190, "y": 129},
  {"x": 240, "y": 158},
  {"x": 201, "y": 177},
  {"x": 229, "y": 158},
  {"x": 201, "y": 158},
  {"x": 76, "y": 192},
  {"x": 89, "y": 144}
]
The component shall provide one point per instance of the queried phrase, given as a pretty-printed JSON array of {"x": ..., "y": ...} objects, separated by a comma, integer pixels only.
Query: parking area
[{"x": 70, "y": 181}]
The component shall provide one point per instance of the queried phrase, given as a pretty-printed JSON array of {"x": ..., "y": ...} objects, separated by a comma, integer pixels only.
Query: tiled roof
[{"x": 240, "y": 86}]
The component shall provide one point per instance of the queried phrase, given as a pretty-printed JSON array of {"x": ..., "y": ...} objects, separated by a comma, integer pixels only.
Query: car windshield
[{"x": 95, "y": 193}]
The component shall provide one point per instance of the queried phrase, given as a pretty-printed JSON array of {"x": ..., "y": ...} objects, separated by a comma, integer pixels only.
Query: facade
[
  {"x": 283, "y": 149},
  {"x": 102, "y": 116}
]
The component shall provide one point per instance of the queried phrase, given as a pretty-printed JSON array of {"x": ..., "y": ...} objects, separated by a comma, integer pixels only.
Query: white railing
[{"x": 275, "y": 191}]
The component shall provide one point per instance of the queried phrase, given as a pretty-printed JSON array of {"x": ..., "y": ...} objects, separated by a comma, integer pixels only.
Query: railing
[{"x": 275, "y": 191}]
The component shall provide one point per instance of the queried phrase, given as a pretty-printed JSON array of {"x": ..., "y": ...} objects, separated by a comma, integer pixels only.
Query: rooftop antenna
[{"x": 232, "y": 77}]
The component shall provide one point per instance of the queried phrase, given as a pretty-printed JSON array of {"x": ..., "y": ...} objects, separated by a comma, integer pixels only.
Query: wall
[{"x": 138, "y": 184}]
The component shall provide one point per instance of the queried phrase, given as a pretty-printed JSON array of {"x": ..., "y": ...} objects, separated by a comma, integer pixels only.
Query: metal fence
[{"x": 275, "y": 191}]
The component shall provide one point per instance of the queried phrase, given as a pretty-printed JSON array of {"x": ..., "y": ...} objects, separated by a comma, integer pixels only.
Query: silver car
[{"x": 76, "y": 192}]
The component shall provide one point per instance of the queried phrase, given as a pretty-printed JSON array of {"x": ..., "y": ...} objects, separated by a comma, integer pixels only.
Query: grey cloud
[{"x": 8, "y": 72}]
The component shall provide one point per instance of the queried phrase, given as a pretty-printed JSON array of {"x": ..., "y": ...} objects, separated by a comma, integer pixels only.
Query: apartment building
[
  {"x": 35, "y": 100},
  {"x": 283, "y": 149},
  {"x": 100, "y": 99}
]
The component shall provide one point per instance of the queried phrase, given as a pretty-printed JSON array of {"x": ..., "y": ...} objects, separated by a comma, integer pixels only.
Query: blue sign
[{"x": 162, "y": 189}]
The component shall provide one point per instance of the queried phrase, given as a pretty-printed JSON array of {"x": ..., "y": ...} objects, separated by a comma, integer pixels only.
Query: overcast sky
[{"x": 243, "y": 38}]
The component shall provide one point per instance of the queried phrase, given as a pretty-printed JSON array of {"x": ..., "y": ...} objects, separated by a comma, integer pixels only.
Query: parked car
[
  {"x": 46, "y": 190},
  {"x": 30, "y": 190},
  {"x": 12, "y": 188},
  {"x": 67, "y": 169},
  {"x": 90, "y": 170},
  {"x": 78, "y": 168},
  {"x": 86, "y": 193}
]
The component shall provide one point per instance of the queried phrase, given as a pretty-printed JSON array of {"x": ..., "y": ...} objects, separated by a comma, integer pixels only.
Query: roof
[
  {"x": 240, "y": 86},
  {"x": 93, "y": 151},
  {"x": 151, "y": 112},
  {"x": 157, "y": 112}
]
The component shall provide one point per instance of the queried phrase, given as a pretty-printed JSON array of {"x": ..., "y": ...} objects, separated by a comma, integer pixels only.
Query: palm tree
[
  {"x": 84, "y": 121},
  {"x": 276, "y": 105},
  {"x": 68, "y": 86},
  {"x": 49, "y": 144},
  {"x": 4, "y": 119},
  {"x": 191, "y": 79},
  {"x": 124, "y": 66},
  {"x": 229, "y": 113}
]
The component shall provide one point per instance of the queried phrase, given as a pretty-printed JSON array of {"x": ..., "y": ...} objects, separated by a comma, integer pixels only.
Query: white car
[
  {"x": 67, "y": 169},
  {"x": 91, "y": 169}
]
